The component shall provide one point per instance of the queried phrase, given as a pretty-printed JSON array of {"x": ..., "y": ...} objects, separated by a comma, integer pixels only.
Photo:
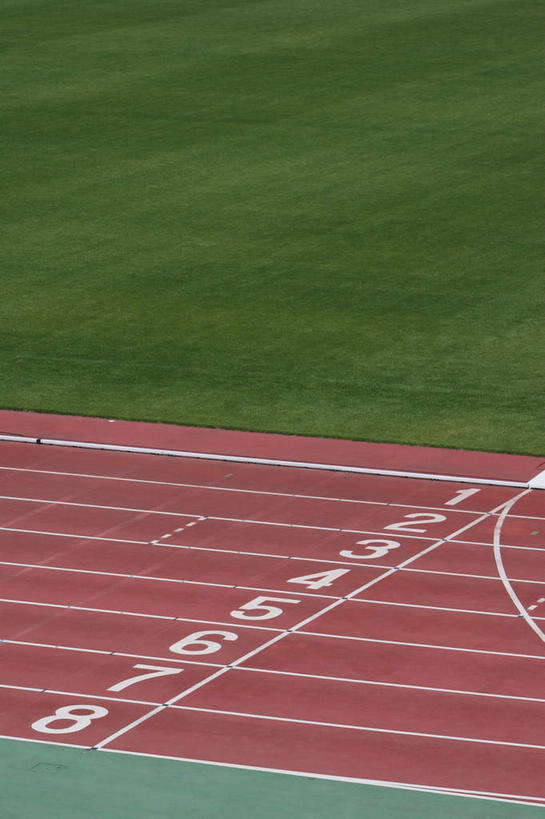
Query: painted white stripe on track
[
  {"x": 285, "y": 632},
  {"x": 281, "y": 673},
  {"x": 531, "y": 621},
  {"x": 214, "y": 488}
]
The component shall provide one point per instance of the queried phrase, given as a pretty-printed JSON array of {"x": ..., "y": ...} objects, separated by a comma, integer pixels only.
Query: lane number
[
  {"x": 260, "y": 604},
  {"x": 320, "y": 579},
  {"x": 460, "y": 495},
  {"x": 374, "y": 551},
  {"x": 196, "y": 644},
  {"x": 156, "y": 671},
  {"x": 66, "y": 712},
  {"x": 415, "y": 519}
]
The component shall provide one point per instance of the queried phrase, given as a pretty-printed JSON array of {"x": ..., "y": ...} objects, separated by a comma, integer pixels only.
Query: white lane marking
[
  {"x": 96, "y": 506},
  {"x": 490, "y": 795},
  {"x": 311, "y": 559},
  {"x": 73, "y": 694},
  {"x": 57, "y": 647},
  {"x": 282, "y": 673},
  {"x": 209, "y": 456},
  {"x": 384, "y": 684},
  {"x": 45, "y": 567},
  {"x": 214, "y": 488},
  {"x": 285, "y": 632},
  {"x": 501, "y": 569},
  {"x": 424, "y": 645},
  {"x": 349, "y": 727},
  {"x": 132, "y": 614},
  {"x": 167, "y": 580}
]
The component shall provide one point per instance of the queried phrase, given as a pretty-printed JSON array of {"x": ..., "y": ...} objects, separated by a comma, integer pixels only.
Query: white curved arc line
[{"x": 501, "y": 570}]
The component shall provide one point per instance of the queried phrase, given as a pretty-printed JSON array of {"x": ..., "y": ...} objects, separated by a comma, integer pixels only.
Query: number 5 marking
[
  {"x": 417, "y": 517},
  {"x": 257, "y": 604},
  {"x": 376, "y": 551},
  {"x": 156, "y": 671}
]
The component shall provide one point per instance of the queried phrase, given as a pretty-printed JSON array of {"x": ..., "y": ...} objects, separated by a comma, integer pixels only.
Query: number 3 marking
[
  {"x": 79, "y": 721},
  {"x": 376, "y": 551}
]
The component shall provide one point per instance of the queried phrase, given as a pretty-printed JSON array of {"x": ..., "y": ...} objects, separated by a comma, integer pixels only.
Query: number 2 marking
[
  {"x": 460, "y": 495},
  {"x": 156, "y": 671},
  {"x": 417, "y": 517}
]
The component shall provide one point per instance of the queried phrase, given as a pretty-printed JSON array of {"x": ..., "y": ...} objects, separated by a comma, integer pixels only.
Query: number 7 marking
[{"x": 157, "y": 671}]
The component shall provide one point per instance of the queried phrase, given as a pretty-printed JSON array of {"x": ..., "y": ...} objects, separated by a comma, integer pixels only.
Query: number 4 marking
[
  {"x": 156, "y": 671},
  {"x": 320, "y": 579}
]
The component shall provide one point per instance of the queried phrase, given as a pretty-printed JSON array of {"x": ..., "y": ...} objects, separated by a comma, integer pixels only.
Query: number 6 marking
[
  {"x": 376, "y": 551},
  {"x": 79, "y": 721},
  {"x": 199, "y": 645}
]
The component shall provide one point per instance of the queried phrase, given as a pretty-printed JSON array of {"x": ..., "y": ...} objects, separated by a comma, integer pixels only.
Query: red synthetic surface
[
  {"x": 107, "y": 564},
  {"x": 263, "y": 445}
]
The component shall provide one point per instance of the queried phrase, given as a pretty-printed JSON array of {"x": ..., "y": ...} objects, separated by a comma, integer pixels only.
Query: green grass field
[{"x": 283, "y": 215}]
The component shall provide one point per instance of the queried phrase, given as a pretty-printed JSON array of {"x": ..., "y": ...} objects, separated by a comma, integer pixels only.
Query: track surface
[{"x": 280, "y": 618}]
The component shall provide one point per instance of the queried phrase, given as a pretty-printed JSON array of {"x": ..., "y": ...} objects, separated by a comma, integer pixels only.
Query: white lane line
[
  {"x": 169, "y": 580},
  {"x": 133, "y": 614},
  {"x": 57, "y": 647},
  {"x": 73, "y": 694},
  {"x": 284, "y": 633},
  {"x": 423, "y": 645},
  {"x": 384, "y": 684},
  {"x": 137, "y": 577},
  {"x": 366, "y": 728},
  {"x": 209, "y": 456},
  {"x": 280, "y": 673},
  {"x": 96, "y": 506},
  {"x": 215, "y": 488},
  {"x": 312, "y": 559},
  {"x": 404, "y": 604},
  {"x": 381, "y": 783},
  {"x": 503, "y": 574}
]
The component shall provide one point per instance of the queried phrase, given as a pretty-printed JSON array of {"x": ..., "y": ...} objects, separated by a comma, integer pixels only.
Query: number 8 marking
[{"x": 79, "y": 721}]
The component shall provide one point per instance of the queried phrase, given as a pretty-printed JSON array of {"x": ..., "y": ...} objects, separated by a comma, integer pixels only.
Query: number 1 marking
[
  {"x": 156, "y": 671},
  {"x": 460, "y": 495}
]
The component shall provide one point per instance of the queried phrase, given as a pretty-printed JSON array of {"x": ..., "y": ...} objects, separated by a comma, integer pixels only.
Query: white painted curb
[{"x": 537, "y": 482}]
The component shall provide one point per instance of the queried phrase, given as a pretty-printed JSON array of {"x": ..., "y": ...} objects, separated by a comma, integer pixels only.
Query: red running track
[{"x": 340, "y": 625}]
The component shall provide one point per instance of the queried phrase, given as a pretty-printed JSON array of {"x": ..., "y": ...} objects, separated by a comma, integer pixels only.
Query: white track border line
[
  {"x": 490, "y": 796},
  {"x": 503, "y": 574},
  {"x": 210, "y": 456}
]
